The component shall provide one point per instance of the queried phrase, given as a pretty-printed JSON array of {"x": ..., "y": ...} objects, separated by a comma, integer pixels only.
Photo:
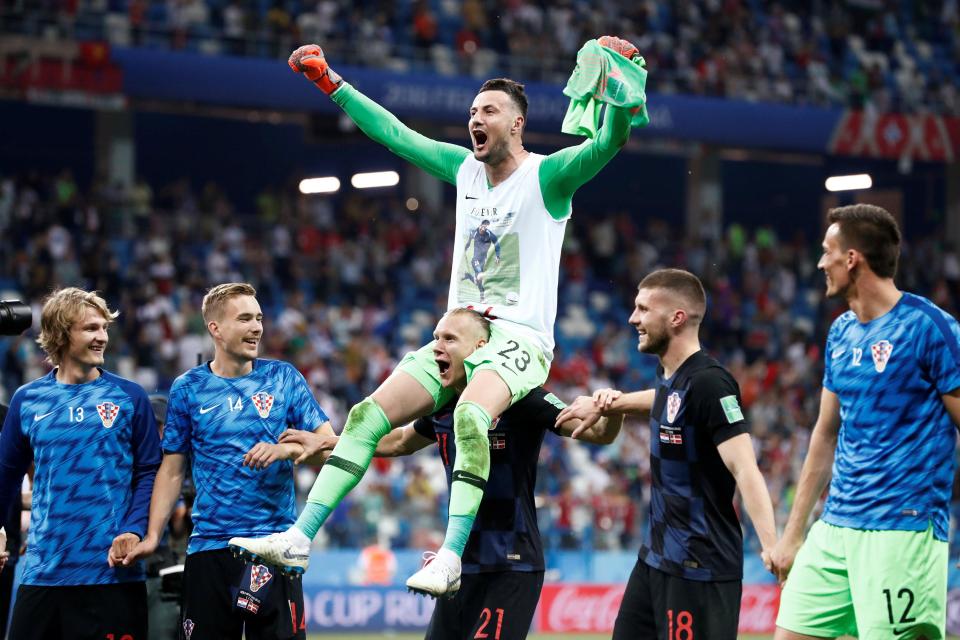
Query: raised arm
[
  {"x": 566, "y": 170},
  {"x": 439, "y": 159}
]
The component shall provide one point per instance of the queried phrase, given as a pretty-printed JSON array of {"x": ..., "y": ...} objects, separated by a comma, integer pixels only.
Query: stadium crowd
[
  {"x": 350, "y": 284},
  {"x": 901, "y": 55}
]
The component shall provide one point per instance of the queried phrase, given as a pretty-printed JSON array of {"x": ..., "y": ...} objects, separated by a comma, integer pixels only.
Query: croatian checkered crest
[
  {"x": 188, "y": 628},
  {"x": 881, "y": 352},
  {"x": 259, "y": 576},
  {"x": 108, "y": 413},
  {"x": 263, "y": 401},
  {"x": 673, "y": 406}
]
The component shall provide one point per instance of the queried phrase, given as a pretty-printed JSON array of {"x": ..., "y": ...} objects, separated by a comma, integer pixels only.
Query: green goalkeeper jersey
[{"x": 515, "y": 281}]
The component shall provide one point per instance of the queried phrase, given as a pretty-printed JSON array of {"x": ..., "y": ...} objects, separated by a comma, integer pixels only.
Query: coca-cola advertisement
[
  {"x": 592, "y": 608},
  {"x": 588, "y": 608},
  {"x": 758, "y": 608}
]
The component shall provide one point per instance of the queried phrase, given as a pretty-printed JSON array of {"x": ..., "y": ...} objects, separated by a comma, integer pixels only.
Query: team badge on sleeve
[
  {"x": 188, "y": 628},
  {"x": 263, "y": 401},
  {"x": 881, "y": 352},
  {"x": 108, "y": 413},
  {"x": 673, "y": 406}
]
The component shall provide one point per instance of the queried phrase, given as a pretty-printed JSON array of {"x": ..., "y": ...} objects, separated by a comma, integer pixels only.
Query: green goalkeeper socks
[
  {"x": 458, "y": 532},
  {"x": 313, "y": 516},
  {"x": 349, "y": 460},
  {"x": 470, "y": 471}
]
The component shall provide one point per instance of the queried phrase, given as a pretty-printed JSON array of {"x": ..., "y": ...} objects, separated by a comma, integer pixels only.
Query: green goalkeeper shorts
[
  {"x": 518, "y": 362},
  {"x": 868, "y": 584}
]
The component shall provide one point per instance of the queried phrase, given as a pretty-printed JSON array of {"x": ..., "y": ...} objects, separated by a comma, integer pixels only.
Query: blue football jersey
[
  {"x": 215, "y": 421},
  {"x": 894, "y": 463},
  {"x": 96, "y": 450}
]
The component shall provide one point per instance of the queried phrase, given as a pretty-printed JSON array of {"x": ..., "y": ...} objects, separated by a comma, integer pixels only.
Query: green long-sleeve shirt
[{"x": 561, "y": 172}]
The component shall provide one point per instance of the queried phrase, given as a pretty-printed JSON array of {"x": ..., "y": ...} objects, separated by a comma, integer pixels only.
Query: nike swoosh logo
[
  {"x": 838, "y": 352},
  {"x": 900, "y": 632},
  {"x": 37, "y": 418},
  {"x": 294, "y": 556},
  {"x": 204, "y": 410},
  {"x": 472, "y": 198}
]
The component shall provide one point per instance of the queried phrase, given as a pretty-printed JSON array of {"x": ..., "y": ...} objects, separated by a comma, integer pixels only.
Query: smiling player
[
  {"x": 875, "y": 564},
  {"x": 93, "y": 439},
  {"x": 227, "y": 416}
]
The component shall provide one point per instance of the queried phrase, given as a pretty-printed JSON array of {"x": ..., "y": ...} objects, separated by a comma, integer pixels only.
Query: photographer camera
[{"x": 15, "y": 317}]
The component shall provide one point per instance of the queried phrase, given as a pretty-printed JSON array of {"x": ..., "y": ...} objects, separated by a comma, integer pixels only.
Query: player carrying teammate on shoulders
[
  {"x": 687, "y": 580},
  {"x": 227, "y": 415},
  {"x": 94, "y": 442},
  {"x": 503, "y": 561},
  {"x": 527, "y": 199},
  {"x": 875, "y": 564}
]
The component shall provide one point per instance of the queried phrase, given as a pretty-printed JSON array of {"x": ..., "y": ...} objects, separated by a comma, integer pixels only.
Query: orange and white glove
[
  {"x": 309, "y": 61},
  {"x": 621, "y": 46}
]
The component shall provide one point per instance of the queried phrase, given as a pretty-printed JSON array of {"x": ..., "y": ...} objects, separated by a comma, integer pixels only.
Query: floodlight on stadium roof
[
  {"x": 849, "y": 183},
  {"x": 328, "y": 184},
  {"x": 375, "y": 179}
]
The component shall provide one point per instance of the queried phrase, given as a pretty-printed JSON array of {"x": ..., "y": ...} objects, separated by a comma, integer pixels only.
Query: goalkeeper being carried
[{"x": 527, "y": 200}]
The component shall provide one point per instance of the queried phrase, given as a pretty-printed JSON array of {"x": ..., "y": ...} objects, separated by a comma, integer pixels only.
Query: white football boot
[
  {"x": 288, "y": 550},
  {"x": 440, "y": 575}
]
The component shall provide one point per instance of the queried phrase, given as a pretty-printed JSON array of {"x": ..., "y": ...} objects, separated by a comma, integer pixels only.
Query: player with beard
[
  {"x": 875, "y": 564},
  {"x": 527, "y": 199},
  {"x": 687, "y": 581}
]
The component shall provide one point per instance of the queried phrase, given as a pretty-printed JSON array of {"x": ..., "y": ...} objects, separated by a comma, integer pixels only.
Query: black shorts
[
  {"x": 666, "y": 607},
  {"x": 222, "y": 599},
  {"x": 84, "y": 612},
  {"x": 488, "y": 605}
]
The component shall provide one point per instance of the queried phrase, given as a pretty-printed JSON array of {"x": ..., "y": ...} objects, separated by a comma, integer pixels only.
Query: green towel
[{"x": 603, "y": 76}]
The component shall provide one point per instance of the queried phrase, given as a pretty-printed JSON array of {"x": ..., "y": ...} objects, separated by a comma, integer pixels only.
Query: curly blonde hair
[
  {"x": 216, "y": 299},
  {"x": 60, "y": 310}
]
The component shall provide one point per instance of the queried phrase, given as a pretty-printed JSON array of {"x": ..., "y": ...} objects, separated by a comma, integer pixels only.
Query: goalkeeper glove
[
  {"x": 309, "y": 61},
  {"x": 621, "y": 46}
]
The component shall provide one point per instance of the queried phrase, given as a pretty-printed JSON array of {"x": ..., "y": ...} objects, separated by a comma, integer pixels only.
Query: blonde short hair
[
  {"x": 60, "y": 310},
  {"x": 482, "y": 323},
  {"x": 216, "y": 299}
]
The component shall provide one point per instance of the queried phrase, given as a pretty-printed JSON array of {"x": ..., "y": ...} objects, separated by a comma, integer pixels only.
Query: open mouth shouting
[
  {"x": 443, "y": 364},
  {"x": 479, "y": 139}
]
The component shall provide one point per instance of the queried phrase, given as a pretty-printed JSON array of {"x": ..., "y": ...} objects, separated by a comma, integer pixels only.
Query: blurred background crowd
[
  {"x": 349, "y": 285},
  {"x": 886, "y": 55}
]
